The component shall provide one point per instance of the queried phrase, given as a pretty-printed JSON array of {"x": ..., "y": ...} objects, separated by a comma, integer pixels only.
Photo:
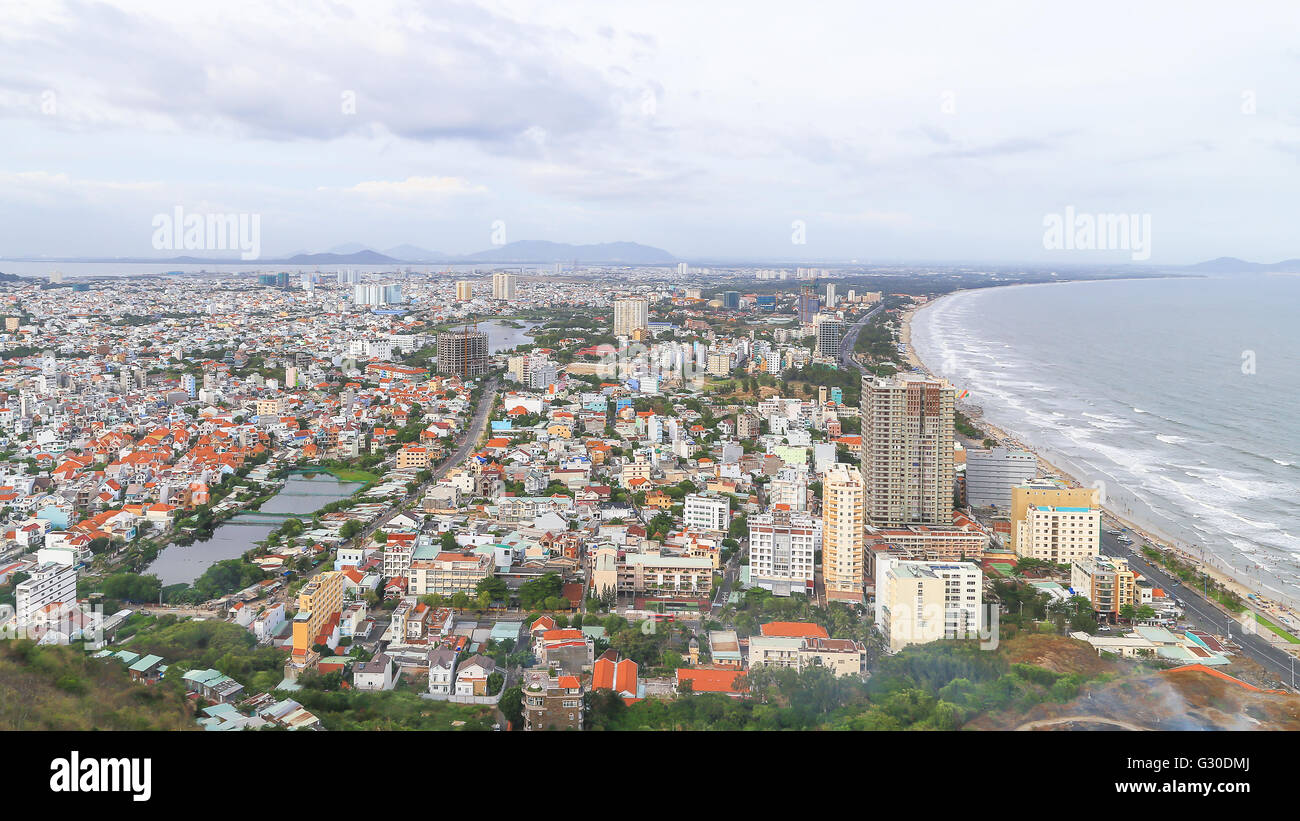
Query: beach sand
[{"x": 1238, "y": 586}]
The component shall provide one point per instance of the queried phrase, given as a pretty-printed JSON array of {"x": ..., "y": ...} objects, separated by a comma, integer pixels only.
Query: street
[
  {"x": 1200, "y": 613},
  {"x": 851, "y": 338}
]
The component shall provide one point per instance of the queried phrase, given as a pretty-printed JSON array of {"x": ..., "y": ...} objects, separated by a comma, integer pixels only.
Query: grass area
[
  {"x": 343, "y": 474},
  {"x": 62, "y": 688},
  {"x": 1271, "y": 626}
]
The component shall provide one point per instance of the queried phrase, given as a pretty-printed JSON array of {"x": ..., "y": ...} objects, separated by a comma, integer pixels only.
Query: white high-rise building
[
  {"x": 503, "y": 286},
  {"x": 919, "y": 602},
  {"x": 49, "y": 583},
  {"x": 703, "y": 512},
  {"x": 830, "y": 332},
  {"x": 782, "y": 552},
  {"x": 991, "y": 474},
  {"x": 630, "y": 315}
]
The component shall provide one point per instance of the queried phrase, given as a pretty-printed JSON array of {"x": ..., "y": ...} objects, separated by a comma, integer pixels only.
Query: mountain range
[{"x": 1232, "y": 265}]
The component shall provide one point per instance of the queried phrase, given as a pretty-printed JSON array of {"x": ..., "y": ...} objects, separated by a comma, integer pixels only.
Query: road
[
  {"x": 851, "y": 338},
  {"x": 474, "y": 432},
  {"x": 1199, "y": 612}
]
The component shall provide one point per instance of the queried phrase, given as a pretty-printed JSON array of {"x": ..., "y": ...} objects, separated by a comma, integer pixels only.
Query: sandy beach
[{"x": 1277, "y": 611}]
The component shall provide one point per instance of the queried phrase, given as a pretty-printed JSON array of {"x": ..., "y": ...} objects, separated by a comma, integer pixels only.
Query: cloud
[{"x": 416, "y": 187}]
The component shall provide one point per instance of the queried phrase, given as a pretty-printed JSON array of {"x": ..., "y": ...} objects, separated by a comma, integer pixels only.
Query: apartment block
[
  {"x": 843, "y": 554},
  {"x": 782, "y": 552},
  {"x": 907, "y": 449},
  {"x": 919, "y": 602}
]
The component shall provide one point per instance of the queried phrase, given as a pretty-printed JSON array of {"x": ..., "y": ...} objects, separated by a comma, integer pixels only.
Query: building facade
[{"x": 907, "y": 449}]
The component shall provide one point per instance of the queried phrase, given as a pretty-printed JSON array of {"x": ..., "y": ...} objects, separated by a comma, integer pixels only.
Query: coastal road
[
  {"x": 1200, "y": 612},
  {"x": 851, "y": 338}
]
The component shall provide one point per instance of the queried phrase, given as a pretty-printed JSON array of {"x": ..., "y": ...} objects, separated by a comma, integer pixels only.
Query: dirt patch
[{"x": 1060, "y": 654}]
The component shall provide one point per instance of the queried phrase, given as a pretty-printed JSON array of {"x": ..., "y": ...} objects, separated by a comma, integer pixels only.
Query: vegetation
[{"x": 63, "y": 688}]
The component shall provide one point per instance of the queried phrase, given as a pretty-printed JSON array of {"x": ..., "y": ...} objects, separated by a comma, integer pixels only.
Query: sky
[{"x": 866, "y": 131}]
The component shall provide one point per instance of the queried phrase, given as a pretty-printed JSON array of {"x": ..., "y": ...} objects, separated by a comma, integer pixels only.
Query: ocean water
[{"x": 1181, "y": 396}]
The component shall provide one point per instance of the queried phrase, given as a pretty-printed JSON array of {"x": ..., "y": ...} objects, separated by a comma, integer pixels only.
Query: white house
[
  {"x": 376, "y": 674},
  {"x": 442, "y": 671}
]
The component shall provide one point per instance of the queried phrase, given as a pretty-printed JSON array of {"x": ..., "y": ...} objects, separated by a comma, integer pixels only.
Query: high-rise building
[
  {"x": 731, "y": 300},
  {"x": 703, "y": 512},
  {"x": 830, "y": 295},
  {"x": 49, "y": 583},
  {"x": 843, "y": 557},
  {"x": 463, "y": 353},
  {"x": 503, "y": 286},
  {"x": 809, "y": 305},
  {"x": 919, "y": 602},
  {"x": 1056, "y": 506},
  {"x": 782, "y": 551},
  {"x": 907, "y": 452},
  {"x": 464, "y": 290},
  {"x": 630, "y": 315},
  {"x": 830, "y": 332},
  {"x": 991, "y": 474},
  {"x": 1106, "y": 581}
]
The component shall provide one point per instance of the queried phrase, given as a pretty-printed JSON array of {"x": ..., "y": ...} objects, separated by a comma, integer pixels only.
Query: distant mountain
[
  {"x": 414, "y": 253},
  {"x": 533, "y": 250},
  {"x": 366, "y": 257},
  {"x": 1232, "y": 265},
  {"x": 348, "y": 248}
]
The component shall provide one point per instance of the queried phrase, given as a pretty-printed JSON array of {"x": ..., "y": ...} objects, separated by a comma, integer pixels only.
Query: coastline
[{"x": 1256, "y": 601}]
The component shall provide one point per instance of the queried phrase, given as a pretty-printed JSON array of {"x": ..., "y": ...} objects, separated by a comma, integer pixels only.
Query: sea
[{"x": 1180, "y": 397}]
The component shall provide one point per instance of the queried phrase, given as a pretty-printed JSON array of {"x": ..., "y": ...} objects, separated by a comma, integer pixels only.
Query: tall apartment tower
[
  {"x": 907, "y": 458},
  {"x": 464, "y": 290},
  {"x": 830, "y": 332},
  {"x": 843, "y": 535},
  {"x": 503, "y": 286},
  {"x": 630, "y": 315}
]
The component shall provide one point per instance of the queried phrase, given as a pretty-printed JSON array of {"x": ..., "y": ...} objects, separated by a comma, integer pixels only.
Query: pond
[{"x": 302, "y": 493}]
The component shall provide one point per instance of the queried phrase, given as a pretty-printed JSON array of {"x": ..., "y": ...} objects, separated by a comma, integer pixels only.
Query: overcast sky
[{"x": 893, "y": 131}]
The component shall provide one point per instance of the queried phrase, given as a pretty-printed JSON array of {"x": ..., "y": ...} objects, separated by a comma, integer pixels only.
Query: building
[
  {"x": 706, "y": 512},
  {"x": 782, "y": 552},
  {"x": 503, "y": 286},
  {"x": 553, "y": 703},
  {"x": 830, "y": 331},
  {"x": 944, "y": 544},
  {"x": 991, "y": 474},
  {"x": 1106, "y": 581},
  {"x": 49, "y": 583},
  {"x": 907, "y": 446},
  {"x": 630, "y": 315},
  {"x": 843, "y": 554},
  {"x": 463, "y": 353},
  {"x": 919, "y": 602},
  {"x": 1045, "y": 493},
  {"x": 376, "y": 674},
  {"x": 446, "y": 573},
  {"x": 654, "y": 572},
  {"x": 319, "y": 602},
  {"x": 809, "y": 305},
  {"x": 464, "y": 290},
  {"x": 1060, "y": 535}
]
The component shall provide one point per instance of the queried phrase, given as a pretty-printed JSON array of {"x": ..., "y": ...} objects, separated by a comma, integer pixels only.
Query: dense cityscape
[{"x": 559, "y": 498}]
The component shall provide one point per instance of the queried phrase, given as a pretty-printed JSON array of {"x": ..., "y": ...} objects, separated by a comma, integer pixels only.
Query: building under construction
[{"x": 463, "y": 353}]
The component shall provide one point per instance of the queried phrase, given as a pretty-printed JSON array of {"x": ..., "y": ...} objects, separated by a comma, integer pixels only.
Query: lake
[{"x": 302, "y": 493}]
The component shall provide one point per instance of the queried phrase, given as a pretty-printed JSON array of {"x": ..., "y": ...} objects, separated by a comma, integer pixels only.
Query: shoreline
[{"x": 1256, "y": 601}]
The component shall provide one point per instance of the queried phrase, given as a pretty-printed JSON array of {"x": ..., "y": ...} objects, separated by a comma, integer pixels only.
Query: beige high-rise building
[
  {"x": 630, "y": 315},
  {"x": 1054, "y": 522},
  {"x": 464, "y": 290},
  {"x": 503, "y": 286},
  {"x": 843, "y": 555},
  {"x": 907, "y": 447}
]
